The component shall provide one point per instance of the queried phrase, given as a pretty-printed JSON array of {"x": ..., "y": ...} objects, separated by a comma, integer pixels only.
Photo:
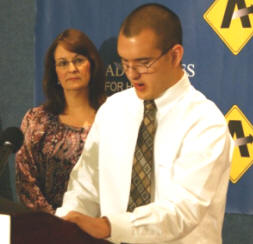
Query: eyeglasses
[
  {"x": 64, "y": 64},
  {"x": 144, "y": 68}
]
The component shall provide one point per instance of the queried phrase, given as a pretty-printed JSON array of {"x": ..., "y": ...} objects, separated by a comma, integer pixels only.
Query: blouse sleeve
[{"x": 27, "y": 169}]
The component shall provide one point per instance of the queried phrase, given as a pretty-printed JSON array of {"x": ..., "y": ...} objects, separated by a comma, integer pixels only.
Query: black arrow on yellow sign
[
  {"x": 229, "y": 12},
  {"x": 243, "y": 140},
  {"x": 242, "y": 12}
]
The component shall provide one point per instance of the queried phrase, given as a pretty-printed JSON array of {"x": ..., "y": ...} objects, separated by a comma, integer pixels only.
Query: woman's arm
[{"x": 27, "y": 174}]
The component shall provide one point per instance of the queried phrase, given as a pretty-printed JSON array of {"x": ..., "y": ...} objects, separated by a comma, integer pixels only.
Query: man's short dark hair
[{"x": 164, "y": 22}]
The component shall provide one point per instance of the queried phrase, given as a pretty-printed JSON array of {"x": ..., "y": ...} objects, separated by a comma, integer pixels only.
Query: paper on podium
[{"x": 5, "y": 227}]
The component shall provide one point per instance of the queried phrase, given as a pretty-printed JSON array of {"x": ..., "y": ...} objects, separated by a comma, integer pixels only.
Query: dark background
[{"x": 17, "y": 22}]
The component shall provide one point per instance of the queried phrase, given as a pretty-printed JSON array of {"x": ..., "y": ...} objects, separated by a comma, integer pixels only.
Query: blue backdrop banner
[{"x": 218, "y": 46}]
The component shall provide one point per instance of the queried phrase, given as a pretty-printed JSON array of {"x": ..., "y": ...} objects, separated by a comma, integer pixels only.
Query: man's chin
[
  {"x": 144, "y": 96},
  {"x": 141, "y": 95}
]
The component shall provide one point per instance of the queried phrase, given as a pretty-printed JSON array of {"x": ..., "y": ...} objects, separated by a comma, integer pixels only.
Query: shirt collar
[{"x": 173, "y": 93}]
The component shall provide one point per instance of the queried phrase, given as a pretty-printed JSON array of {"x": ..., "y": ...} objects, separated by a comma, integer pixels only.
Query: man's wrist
[{"x": 108, "y": 224}]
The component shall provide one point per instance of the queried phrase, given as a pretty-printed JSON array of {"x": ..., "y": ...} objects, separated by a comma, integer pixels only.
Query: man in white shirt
[{"x": 192, "y": 147}]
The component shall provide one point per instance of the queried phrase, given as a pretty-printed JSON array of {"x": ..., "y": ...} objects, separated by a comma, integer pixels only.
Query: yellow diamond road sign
[
  {"x": 232, "y": 20},
  {"x": 241, "y": 130}
]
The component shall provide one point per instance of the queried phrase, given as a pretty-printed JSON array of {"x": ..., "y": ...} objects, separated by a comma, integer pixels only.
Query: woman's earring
[{"x": 58, "y": 83}]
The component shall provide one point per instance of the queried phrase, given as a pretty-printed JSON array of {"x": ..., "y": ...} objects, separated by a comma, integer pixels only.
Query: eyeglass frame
[
  {"x": 73, "y": 61},
  {"x": 147, "y": 66}
]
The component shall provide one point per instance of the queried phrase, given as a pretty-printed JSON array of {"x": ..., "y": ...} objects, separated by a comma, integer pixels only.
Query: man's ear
[{"x": 177, "y": 53}]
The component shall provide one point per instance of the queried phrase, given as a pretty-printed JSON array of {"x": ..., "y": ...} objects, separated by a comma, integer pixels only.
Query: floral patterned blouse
[{"x": 44, "y": 161}]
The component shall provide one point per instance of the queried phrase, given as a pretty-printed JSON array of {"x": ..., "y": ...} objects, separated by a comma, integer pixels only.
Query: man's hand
[{"x": 96, "y": 227}]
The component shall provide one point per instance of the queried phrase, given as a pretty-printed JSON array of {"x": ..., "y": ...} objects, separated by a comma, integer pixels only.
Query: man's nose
[{"x": 132, "y": 74}]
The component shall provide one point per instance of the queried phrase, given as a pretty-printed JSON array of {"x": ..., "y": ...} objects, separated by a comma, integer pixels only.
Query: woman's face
[{"x": 72, "y": 69}]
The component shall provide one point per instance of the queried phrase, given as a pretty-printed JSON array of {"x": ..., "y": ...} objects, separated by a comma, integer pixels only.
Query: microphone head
[{"x": 13, "y": 135}]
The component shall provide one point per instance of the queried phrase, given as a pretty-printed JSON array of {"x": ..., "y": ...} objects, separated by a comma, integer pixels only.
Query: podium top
[
  {"x": 41, "y": 228},
  {"x": 29, "y": 227}
]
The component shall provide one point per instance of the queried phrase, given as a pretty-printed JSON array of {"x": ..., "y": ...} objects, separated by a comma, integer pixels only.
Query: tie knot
[{"x": 149, "y": 105}]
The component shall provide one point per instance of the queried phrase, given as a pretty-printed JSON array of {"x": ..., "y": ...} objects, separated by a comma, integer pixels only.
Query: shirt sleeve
[
  {"x": 27, "y": 173},
  {"x": 199, "y": 174},
  {"x": 82, "y": 193}
]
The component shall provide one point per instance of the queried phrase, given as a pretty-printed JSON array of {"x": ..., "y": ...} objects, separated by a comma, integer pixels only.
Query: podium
[{"x": 31, "y": 227}]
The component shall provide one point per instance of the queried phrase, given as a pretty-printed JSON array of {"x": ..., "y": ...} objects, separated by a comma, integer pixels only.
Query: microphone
[{"x": 11, "y": 140}]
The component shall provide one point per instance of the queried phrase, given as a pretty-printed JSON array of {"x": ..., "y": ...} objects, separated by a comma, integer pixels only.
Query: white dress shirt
[{"x": 192, "y": 155}]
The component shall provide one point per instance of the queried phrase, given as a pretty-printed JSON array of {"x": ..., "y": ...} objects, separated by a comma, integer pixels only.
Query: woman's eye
[
  {"x": 79, "y": 61},
  {"x": 62, "y": 63}
]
